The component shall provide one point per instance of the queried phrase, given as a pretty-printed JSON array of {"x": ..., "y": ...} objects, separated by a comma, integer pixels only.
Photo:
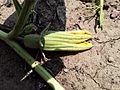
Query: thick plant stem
[
  {"x": 18, "y": 7},
  {"x": 23, "y": 17},
  {"x": 101, "y": 14},
  {"x": 30, "y": 60}
]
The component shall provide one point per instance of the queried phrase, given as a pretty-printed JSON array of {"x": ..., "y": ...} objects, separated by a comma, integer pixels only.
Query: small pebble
[
  {"x": 111, "y": 60},
  {"x": 114, "y": 14},
  {"x": 66, "y": 70}
]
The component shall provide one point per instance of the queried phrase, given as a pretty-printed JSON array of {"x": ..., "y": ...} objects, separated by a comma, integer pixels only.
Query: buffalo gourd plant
[{"x": 47, "y": 40}]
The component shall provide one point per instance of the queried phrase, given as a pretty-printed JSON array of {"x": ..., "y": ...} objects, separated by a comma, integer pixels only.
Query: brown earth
[{"x": 94, "y": 69}]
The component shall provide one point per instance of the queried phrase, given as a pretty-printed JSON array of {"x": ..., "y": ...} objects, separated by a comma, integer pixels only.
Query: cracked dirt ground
[{"x": 95, "y": 69}]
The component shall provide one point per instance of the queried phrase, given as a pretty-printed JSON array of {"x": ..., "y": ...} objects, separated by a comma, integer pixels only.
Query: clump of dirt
[{"x": 94, "y": 69}]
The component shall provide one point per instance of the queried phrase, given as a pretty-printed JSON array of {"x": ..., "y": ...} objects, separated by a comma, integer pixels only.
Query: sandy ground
[{"x": 95, "y": 69}]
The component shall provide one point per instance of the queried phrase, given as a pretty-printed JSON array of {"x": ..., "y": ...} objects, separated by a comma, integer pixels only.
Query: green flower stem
[
  {"x": 30, "y": 60},
  {"x": 23, "y": 17},
  {"x": 101, "y": 13},
  {"x": 18, "y": 7}
]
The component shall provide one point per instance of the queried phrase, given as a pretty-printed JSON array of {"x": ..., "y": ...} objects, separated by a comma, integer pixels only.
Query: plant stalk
[
  {"x": 23, "y": 17},
  {"x": 30, "y": 60},
  {"x": 18, "y": 7},
  {"x": 101, "y": 13}
]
